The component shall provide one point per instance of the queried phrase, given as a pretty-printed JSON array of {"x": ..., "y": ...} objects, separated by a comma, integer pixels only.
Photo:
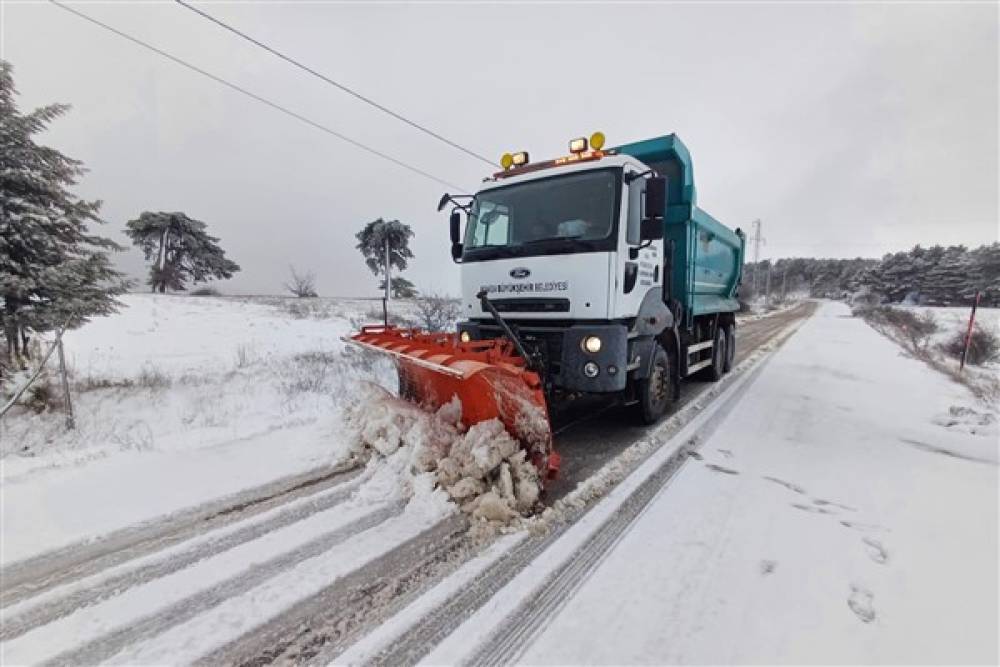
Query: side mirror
[
  {"x": 445, "y": 198},
  {"x": 456, "y": 251},
  {"x": 656, "y": 197},
  {"x": 456, "y": 227},
  {"x": 651, "y": 229}
]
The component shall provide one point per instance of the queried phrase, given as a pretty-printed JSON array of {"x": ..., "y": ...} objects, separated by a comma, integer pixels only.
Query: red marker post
[{"x": 968, "y": 332}]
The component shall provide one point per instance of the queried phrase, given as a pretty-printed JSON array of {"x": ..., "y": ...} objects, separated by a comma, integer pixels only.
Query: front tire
[{"x": 654, "y": 391}]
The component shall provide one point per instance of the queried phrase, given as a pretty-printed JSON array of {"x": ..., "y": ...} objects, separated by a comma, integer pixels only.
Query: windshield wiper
[{"x": 552, "y": 238}]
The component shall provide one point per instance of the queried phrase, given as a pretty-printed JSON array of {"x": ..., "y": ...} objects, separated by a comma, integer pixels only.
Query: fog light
[
  {"x": 590, "y": 369},
  {"x": 592, "y": 344},
  {"x": 465, "y": 336}
]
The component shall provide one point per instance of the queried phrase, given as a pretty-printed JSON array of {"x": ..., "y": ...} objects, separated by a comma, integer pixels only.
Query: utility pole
[
  {"x": 387, "y": 292},
  {"x": 385, "y": 298},
  {"x": 767, "y": 288},
  {"x": 757, "y": 240},
  {"x": 784, "y": 276}
]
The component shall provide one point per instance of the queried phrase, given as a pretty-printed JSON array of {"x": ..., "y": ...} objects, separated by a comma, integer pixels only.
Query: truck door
[{"x": 638, "y": 271}]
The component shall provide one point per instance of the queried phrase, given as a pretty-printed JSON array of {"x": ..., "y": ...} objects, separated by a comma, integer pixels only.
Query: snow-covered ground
[
  {"x": 843, "y": 511},
  {"x": 954, "y": 320},
  {"x": 180, "y": 400},
  {"x": 835, "y": 503}
]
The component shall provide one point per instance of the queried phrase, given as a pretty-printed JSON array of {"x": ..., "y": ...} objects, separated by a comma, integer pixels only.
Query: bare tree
[
  {"x": 301, "y": 284},
  {"x": 436, "y": 312}
]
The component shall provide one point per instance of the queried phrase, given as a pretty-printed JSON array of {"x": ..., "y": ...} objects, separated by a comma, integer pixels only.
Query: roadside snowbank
[{"x": 482, "y": 468}]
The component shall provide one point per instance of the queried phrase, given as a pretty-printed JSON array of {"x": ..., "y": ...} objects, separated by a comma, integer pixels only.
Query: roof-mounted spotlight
[
  {"x": 520, "y": 158},
  {"x": 578, "y": 145}
]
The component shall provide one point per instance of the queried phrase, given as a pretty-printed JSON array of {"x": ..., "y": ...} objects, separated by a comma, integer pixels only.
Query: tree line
[{"x": 933, "y": 276}]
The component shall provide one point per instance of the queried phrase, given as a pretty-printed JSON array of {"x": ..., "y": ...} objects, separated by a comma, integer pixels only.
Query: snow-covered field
[
  {"x": 954, "y": 320},
  {"x": 180, "y": 400}
]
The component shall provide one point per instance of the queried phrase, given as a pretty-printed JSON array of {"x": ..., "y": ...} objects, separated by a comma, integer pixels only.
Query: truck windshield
[{"x": 561, "y": 214}]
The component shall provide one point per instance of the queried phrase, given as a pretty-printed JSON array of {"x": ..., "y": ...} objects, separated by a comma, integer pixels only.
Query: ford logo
[{"x": 520, "y": 272}]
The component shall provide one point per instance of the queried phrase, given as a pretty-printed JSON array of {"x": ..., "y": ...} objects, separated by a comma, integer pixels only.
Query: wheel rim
[{"x": 659, "y": 384}]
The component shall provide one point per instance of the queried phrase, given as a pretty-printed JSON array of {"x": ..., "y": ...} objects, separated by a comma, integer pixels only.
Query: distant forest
[{"x": 934, "y": 276}]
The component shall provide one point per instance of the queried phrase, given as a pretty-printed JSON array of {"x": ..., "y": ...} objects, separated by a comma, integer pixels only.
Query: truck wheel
[
  {"x": 654, "y": 391},
  {"x": 715, "y": 371},
  {"x": 730, "y": 347}
]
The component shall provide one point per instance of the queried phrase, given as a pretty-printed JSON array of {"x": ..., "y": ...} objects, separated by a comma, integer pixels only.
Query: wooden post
[
  {"x": 968, "y": 332},
  {"x": 70, "y": 423}
]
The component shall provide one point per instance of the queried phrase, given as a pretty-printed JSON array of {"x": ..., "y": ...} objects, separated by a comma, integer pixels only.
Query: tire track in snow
[
  {"x": 100, "y": 649},
  {"x": 26, "y": 578},
  {"x": 336, "y": 613},
  {"x": 35, "y": 616},
  {"x": 507, "y": 642}
]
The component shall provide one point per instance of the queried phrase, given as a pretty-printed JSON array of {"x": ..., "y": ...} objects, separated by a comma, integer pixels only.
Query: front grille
[
  {"x": 531, "y": 305},
  {"x": 543, "y": 345}
]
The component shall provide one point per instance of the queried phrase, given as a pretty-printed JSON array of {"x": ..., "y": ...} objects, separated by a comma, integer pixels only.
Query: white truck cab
[{"x": 573, "y": 258}]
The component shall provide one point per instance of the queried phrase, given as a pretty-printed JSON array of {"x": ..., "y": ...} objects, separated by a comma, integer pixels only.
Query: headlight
[
  {"x": 590, "y": 369},
  {"x": 591, "y": 344},
  {"x": 465, "y": 337}
]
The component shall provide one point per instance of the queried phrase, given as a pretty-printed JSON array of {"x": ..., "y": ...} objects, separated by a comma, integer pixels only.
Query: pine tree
[
  {"x": 53, "y": 271},
  {"x": 184, "y": 252},
  {"x": 986, "y": 273},
  {"x": 372, "y": 242},
  {"x": 400, "y": 287}
]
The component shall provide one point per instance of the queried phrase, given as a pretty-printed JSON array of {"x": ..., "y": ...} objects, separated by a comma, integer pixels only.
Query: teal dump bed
[{"x": 707, "y": 255}]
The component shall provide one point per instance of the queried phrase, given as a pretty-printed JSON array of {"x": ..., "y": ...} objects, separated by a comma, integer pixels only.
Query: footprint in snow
[
  {"x": 820, "y": 501},
  {"x": 811, "y": 508},
  {"x": 876, "y": 551},
  {"x": 722, "y": 469},
  {"x": 861, "y": 603},
  {"x": 695, "y": 455},
  {"x": 788, "y": 485},
  {"x": 858, "y": 525},
  {"x": 767, "y": 567},
  {"x": 725, "y": 452}
]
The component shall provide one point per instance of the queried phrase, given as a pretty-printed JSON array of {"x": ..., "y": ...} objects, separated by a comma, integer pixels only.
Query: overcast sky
[{"x": 850, "y": 130}]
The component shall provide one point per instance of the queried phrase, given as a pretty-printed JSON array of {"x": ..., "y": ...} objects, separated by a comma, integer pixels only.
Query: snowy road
[
  {"x": 829, "y": 515},
  {"x": 301, "y": 569}
]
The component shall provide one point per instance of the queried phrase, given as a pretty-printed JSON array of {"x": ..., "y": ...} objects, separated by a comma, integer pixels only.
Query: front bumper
[{"x": 561, "y": 351}]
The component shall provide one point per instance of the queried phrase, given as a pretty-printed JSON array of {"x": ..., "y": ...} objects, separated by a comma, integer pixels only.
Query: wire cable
[
  {"x": 336, "y": 84},
  {"x": 262, "y": 100}
]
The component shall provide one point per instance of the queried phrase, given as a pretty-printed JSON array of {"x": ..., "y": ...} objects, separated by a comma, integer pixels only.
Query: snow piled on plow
[{"x": 481, "y": 468}]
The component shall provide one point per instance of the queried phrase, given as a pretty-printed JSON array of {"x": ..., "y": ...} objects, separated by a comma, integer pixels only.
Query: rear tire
[
  {"x": 654, "y": 392},
  {"x": 730, "y": 347},
  {"x": 715, "y": 371}
]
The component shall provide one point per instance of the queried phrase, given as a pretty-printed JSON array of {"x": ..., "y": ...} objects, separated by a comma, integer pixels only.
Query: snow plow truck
[{"x": 591, "y": 273}]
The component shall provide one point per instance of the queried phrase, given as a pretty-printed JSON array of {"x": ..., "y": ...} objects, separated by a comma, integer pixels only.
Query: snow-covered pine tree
[
  {"x": 947, "y": 281},
  {"x": 986, "y": 273},
  {"x": 183, "y": 251},
  {"x": 52, "y": 269}
]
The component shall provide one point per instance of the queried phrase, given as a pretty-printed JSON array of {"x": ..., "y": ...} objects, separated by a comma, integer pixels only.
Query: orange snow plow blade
[{"x": 488, "y": 377}]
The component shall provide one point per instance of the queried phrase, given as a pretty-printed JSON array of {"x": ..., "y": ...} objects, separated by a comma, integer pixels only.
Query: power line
[
  {"x": 262, "y": 100},
  {"x": 336, "y": 84}
]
